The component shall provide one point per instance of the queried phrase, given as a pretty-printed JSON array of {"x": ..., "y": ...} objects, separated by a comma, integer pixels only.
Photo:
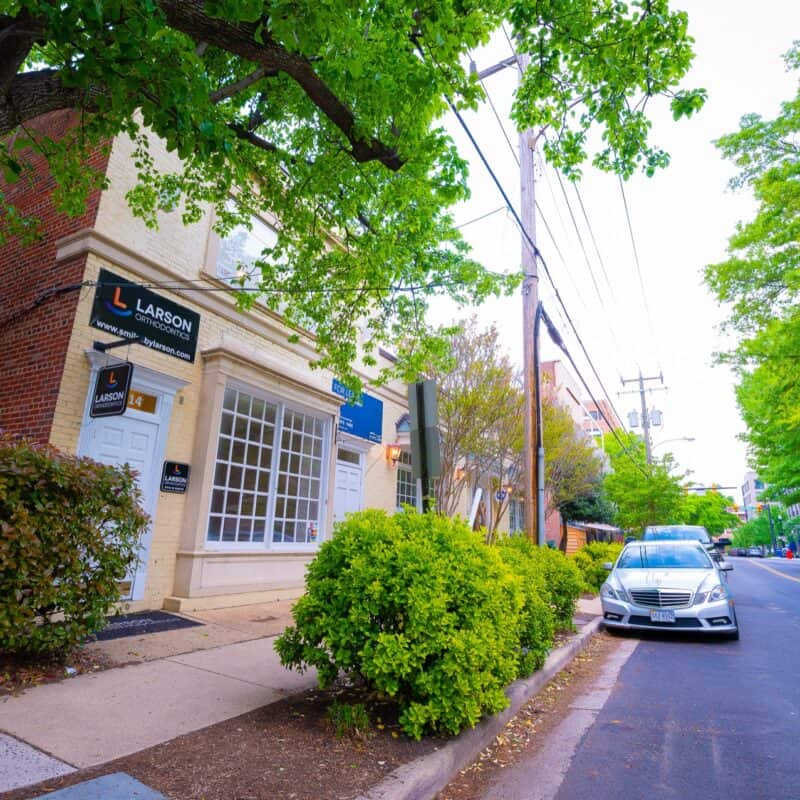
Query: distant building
[
  {"x": 752, "y": 488},
  {"x": 598, "y": 414}
]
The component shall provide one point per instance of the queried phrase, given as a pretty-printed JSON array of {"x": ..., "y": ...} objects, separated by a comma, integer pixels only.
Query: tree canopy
[
  {"x": 481, "y": 413},
  {"x": 643, "y": 494},
  {"x": 760, "y": 281},
  {"x": 328, "y": 116},
  {"x": 710, "y": 511}
]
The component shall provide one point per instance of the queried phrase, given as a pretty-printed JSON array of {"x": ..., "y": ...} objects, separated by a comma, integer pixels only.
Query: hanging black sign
[
  {"x": 174, "y": 477},
  {"x": 126, "y": 310},
  {"x": 110, "y": 398}
]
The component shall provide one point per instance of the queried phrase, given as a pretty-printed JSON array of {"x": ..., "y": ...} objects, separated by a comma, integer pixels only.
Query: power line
[
  {"x": 534, "y": 249},
  {"x": 594, "y": 242},
  {"x": 536, "y": 203},
  {"x": 482, "y": 216},
  {"x": 558, "y": 341},
  {"x": 639, "y": 271}
]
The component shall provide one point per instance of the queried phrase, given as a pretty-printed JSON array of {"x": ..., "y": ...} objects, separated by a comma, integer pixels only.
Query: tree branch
[
  {"x": 33, "y": 93},
  {"x": 237, "y": 86},
  {"x": 190, "y": 17},
  {"x": 17, "y": 37}
]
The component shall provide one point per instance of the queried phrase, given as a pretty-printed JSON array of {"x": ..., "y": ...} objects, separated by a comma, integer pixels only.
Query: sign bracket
[{"x": 101, "y": 347}]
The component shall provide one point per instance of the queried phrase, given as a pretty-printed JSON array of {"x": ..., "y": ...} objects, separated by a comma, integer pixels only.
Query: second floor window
[{"x": 241, "y": 248}]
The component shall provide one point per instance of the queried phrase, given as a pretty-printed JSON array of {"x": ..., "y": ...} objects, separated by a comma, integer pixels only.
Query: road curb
[{"x": 429, "y": 774}]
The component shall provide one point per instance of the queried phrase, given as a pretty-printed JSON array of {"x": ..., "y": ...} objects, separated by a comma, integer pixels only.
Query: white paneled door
[
  {"x": 132, "y": 441},
  {"x": 348, "y": 490}
]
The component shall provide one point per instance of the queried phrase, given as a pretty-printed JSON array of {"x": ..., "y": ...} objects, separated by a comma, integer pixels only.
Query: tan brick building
[{"x": 274, "y": 455}]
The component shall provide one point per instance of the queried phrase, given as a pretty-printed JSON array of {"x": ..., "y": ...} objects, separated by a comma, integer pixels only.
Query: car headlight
[
  {"x": 719, "y": 592},
  {"x": 613, "y": 592}
]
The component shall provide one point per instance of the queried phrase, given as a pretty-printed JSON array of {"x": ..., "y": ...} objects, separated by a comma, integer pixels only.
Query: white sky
[{"x": 681, "y": 220}]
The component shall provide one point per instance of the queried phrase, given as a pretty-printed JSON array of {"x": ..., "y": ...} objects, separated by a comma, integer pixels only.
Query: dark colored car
[{"x": 674, "y": 533}]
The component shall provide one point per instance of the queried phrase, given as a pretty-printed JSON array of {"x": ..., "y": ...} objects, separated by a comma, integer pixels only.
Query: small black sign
[
  {"x": 126, "y": 310},
  {"x": 110, "y": 398},
  {"x": 174, "y": 477}
]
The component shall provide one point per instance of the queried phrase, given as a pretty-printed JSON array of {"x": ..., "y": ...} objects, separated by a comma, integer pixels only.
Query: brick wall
[{"x": 34, "y": 328}]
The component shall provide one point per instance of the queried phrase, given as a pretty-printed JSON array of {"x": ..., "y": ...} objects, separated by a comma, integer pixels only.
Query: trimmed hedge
[
  {"x": 590, "y": 559},
  {"x": 425, "y": 613},
  {"x": 69, "y": 530}
]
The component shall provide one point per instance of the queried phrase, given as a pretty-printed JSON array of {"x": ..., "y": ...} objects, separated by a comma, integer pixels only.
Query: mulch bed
[
  {"x": 18, "y": 673},
  {"x": 288, "y": 750}
]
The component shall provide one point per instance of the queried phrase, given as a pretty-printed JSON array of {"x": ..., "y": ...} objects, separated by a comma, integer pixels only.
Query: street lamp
[{"x": 678, "y": 439}]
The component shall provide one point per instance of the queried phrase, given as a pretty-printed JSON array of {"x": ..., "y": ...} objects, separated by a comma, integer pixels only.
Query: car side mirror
[
  {"x": 726, "y": 566},
  {"x": 608, "y": 565}
]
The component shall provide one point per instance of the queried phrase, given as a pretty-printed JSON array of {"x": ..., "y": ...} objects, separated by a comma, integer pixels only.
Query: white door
[
  {"x": 348, "y": 488},
  {"x": 133, "y": 441}
]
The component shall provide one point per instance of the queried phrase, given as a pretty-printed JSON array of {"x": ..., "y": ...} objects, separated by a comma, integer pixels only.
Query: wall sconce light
[
  {"x": 393, "y": 452},
  {"x": 460, "y": 474}
]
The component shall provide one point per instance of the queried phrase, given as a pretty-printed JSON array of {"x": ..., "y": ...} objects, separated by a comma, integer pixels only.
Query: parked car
[
  {"x": 674, "y": 533},
  {"x": 668, "y": 585},
  {"x": 755, "y": 551},
  {"x": 659, "y": 533}
]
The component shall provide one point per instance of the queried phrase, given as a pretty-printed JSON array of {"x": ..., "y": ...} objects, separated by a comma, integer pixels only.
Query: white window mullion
[{"x": 273, "y": 483}]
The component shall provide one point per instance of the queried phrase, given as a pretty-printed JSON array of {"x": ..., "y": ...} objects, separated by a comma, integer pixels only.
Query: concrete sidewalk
[{"x": 94, "y": 718}]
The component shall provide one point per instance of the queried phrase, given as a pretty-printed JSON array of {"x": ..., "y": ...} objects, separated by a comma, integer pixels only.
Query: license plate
[{"x": 662, "y": 616}]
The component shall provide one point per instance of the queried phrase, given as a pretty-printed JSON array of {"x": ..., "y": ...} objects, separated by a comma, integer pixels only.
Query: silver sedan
[{"x": 668, "y": 586}]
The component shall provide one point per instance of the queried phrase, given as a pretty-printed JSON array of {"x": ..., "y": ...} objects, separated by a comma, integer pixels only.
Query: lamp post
[{"x": 678, "y": 439}]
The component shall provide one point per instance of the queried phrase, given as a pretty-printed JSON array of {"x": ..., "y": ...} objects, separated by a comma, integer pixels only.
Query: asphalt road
[{"x": 703, "y": 719}]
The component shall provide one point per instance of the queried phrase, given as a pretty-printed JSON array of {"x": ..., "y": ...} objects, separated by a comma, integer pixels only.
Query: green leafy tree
[
  {"x": 480, "y": 415},
  {"x": 710, "y": 511},
  {"x": 643, "y": 494},
  {"x": 753, "y": 532},
  {"x": 334, "y": 110},
  {"x": 481, "y": 411},
  {"x": 572, "y": 465},
  {"x": 760, "y": 281},
  {"x": 591, "y": 507}
]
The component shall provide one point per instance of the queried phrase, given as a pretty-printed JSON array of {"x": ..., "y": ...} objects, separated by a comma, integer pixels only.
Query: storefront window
[{"x": 268, "y": 480}]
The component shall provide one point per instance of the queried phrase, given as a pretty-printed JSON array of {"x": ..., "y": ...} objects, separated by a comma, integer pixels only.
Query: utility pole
[
  {"x": 533, "y": 505},
  {"x": 648, "y": 446},
  {"x": 530, "y": 301}
]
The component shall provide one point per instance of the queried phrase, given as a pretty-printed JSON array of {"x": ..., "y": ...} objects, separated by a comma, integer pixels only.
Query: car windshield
[
  {"x": 661, "y": 557},
  {"x": 675, "y": 534}
]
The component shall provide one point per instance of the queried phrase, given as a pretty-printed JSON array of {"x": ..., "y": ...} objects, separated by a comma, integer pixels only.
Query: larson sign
[
  {"x": 110, "y": 398},
  {"x": 126, "y": 310}
]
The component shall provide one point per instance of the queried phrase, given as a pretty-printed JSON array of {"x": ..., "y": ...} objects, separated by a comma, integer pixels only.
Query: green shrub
[
  {"x": 590, "y": 559},
  {"x": 537, "y": 619},
  {"x": 562, "y": 583},
  {"x": 420, "y": 609},
  {"x": 69, "y": 530}
]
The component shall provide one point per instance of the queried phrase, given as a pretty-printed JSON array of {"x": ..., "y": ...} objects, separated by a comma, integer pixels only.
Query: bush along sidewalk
[
  {"x": 422, "y": 612},
  {"x": 69, "y": 531},
  {"x": 590, "y": 559}
]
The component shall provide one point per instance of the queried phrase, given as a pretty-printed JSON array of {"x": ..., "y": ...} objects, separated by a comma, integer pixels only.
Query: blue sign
[{"x": 364, "y": 418}]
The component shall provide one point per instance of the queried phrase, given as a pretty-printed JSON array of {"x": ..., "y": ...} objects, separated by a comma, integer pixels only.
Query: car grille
[
  {"x": 680, "y": 622},
  {"x": 661, "y": 598}
]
